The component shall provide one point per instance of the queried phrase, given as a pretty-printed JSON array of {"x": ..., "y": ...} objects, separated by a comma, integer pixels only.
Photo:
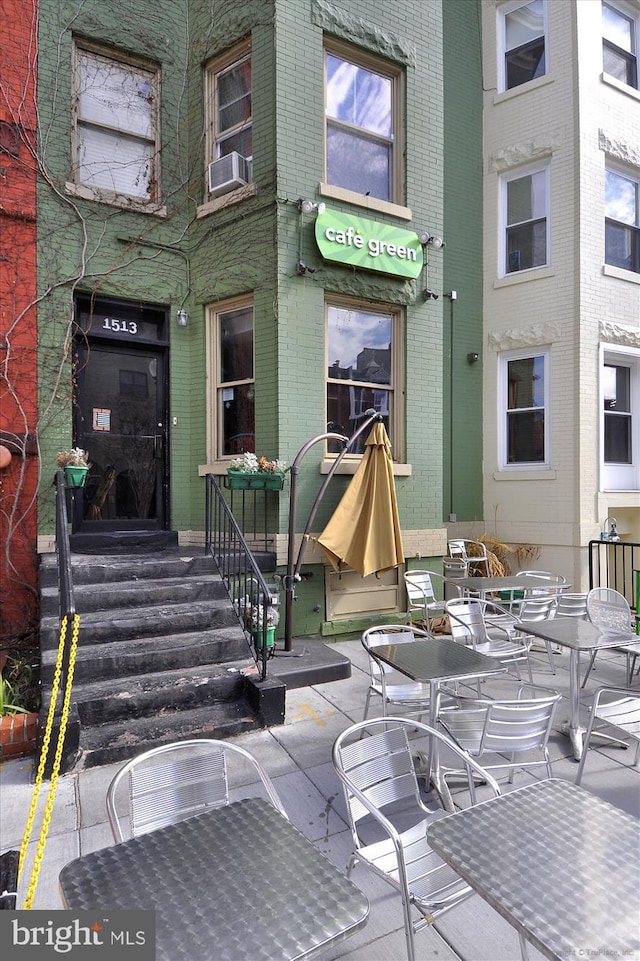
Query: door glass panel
[{"x": 121, "y": 427}]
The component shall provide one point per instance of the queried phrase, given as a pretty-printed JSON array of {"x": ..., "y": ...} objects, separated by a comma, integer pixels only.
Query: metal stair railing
[
  {"x": 236, "y": 563},
  {"x": 616, "y": 564}
]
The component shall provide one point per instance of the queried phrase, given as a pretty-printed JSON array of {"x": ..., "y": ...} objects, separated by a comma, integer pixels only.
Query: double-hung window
[
  {"x": 522, "y": 43},
  {"x": 620, "y": 391},
  {"x": 622, "y": 220},
  {"x": 523, "y": 398},
  {"x": 363, "y": 364},
  {"x": 116, "y": 126},
  {"x": 619, "y": 32},
  {"x": 363, "y": 97},
  {"x": 232, "y": 415},
  {"x": 229, "y": 108},
  {"x": 525, "y": 220}
]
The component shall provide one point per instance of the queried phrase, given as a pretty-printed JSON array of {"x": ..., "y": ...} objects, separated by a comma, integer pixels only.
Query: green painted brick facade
[{"x": 253, "y": 247}]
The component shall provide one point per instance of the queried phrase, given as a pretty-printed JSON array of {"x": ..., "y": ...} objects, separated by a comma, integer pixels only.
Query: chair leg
[
  {"x": 524, "y": 950},
  {"x": 550, "y": 656},
  {"x": 591, "y": 662}
]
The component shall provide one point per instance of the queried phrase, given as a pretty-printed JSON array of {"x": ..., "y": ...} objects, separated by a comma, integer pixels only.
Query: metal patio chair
[
  {"x": 423, "y": 602},
  {"x": 571, "y": 605},
  {"x": 474, "y": 553},
  {"x": 489, "y": 629},
  {"x": 610, "y": 611},
  {"x": 538, "y": 608},
  {"x": 614, "y": 707},
  {"x": 388, "y": 684},
  {"x": 176, "y": 781},
  {"x": 389, "y": 820},
  {"x": 511, "y": 726}
]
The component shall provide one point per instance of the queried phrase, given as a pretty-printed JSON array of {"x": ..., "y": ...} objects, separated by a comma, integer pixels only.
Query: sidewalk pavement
[{"x": 297, "y": 756}]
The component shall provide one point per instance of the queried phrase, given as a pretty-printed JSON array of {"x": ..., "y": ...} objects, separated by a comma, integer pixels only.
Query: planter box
[
  {"x": 75, "y": 476},
  {"x": 260, "y": 481},
  {"x": 18, "y": 735}
]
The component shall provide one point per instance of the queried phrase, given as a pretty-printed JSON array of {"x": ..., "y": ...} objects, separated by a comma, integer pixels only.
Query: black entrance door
[{"x": 120, "y": 410}]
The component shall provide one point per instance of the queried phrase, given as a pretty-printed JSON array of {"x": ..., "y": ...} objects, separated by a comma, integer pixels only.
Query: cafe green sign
[{"x": 356, "y": 242}]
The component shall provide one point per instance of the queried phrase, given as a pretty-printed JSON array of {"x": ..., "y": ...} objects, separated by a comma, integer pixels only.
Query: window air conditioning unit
[{"x": 227, "y": 173}]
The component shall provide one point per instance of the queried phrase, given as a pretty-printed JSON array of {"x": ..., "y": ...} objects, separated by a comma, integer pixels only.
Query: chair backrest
[
  {"x": 466, "y": 617},
  {"x": 537, "y": 607},
  {"x": 388, "y": 634},
  {"x": 556, "y": 583},
  {"x": 176, "y": 781},
  {"x": 377, "y": 771},
  {"x": 469, "y": 550},
  {"x": 520, "y": 725},
  {"x": 571, "y": 605},
  {"x": 609, "y": 608},
  {"x": 420, "y": 589}
]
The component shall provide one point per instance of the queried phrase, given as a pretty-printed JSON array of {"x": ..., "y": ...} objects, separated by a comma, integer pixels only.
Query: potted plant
[
  {"x": 255, "y": 621},
  {"x": 18, "y": 719},
  {"x": 76, "y": 466},
  {"x": 249, "y": 472}
]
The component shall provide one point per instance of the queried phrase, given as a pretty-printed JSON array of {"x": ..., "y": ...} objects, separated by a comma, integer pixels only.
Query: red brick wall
[{"x": 18, "y": 325}]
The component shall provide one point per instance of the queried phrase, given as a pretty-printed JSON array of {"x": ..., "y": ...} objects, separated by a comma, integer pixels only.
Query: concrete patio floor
[{"x": 297, "y": 756}]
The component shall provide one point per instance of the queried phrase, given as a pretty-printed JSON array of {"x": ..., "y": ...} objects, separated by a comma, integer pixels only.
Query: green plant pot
[
  {"x": 260, "y": 481},
  {"x": 271, "y": 638},
  {"x": 75, "y": 476}
]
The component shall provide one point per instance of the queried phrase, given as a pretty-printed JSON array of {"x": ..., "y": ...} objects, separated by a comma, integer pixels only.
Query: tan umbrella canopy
[{"x": 364, "y": 532}]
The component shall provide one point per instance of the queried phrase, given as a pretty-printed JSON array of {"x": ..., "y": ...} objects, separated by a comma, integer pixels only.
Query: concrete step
[
  {"x": 104, "y": 569},
  {"x": 109, "y": 700},
  {"x": 143, "y": 593},
  {"x": 171, "y": 652},
  {"x": 120, "y": 740},
  {"x": 152, "y": 621},
  {"x": 161, "y": 656}
]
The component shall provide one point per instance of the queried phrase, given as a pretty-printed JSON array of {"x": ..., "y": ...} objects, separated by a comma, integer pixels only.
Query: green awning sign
[{"x": 356, "y": 242}]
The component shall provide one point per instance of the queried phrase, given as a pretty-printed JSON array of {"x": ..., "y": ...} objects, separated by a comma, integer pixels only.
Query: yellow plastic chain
[{"x": 46, "y": 818}]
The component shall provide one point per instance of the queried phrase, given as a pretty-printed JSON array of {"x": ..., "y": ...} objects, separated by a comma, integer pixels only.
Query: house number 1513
[{"x": 120, "y": 326}]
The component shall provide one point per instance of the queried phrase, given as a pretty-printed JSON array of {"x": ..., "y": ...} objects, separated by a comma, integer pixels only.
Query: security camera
[
  {"x": 429, "y": 294},
  {"x": 303, "y": 269}
]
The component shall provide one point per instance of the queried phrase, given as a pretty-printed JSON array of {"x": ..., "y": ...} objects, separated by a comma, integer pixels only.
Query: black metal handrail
[
  {"x": 614, "y": 564},
  {"x": 236, "y": 563},
  {"x": 63, "y": 550}
]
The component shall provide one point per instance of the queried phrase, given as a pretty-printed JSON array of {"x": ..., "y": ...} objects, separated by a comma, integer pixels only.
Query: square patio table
[
  {"x": 489, "y": 585},
  {"x": 557, "y": 863},
  {"x": 237, "y": 883},
  {"x": 577, "y": 635},
  {"x": 432, "y": 661}
]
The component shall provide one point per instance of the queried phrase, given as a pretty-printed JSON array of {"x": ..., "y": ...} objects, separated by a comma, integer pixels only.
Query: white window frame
[
  {"x": 626, "y": 477},
  {"x": 503, "y": 408},
  {"x": 214, "y": 138},
  {"x": 502, "y": 12},
  {"x": 632, "y": 14},
  {"x": 215, "y": 385},
  {"x": 138, "y": 68},
  {"x": 626, "y": 173},
  {"x": 395, "y": 391},
  {"x": 505, "y": 180},
  {"x": 395, "y": 74}
]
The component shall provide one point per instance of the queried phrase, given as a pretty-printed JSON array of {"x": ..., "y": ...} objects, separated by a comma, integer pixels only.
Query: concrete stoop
[{"x": 161, "y": 656}]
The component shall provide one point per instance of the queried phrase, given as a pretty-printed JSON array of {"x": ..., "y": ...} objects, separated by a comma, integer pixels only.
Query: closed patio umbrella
[{"x": 364, "y": 531}]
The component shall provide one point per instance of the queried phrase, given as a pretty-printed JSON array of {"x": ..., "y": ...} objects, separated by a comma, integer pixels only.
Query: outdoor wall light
[
  {"x": 473, "y": 357},
  {"x": 308, "y": 206},
  {"x": 430, "y": 240},
  {"x": 303, "y": 269},
  {"x": 182, "y": 318}
]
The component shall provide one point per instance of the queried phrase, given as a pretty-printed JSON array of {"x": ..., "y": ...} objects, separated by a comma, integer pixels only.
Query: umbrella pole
[{"x": 293, "y": 569}]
